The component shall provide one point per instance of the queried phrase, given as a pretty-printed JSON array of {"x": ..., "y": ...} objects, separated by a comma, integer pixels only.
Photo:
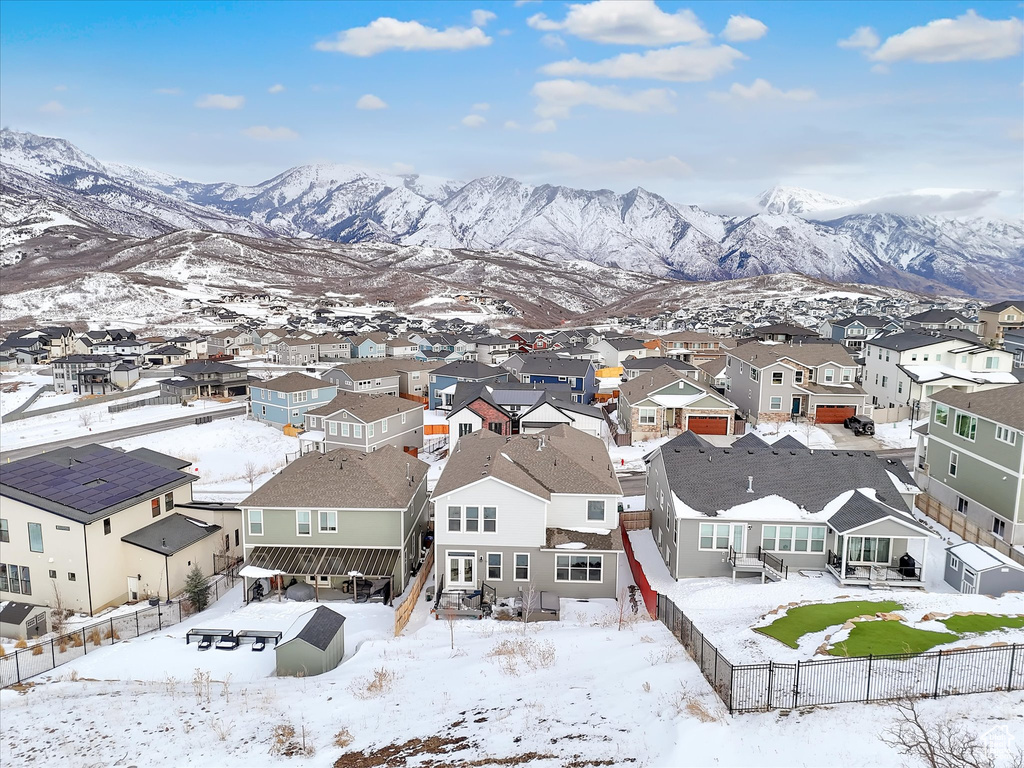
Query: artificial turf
[
  {"x": 887, "y": 637},
  {"x": 986, "y": 622},
  {"x": 804, "y": 619}
]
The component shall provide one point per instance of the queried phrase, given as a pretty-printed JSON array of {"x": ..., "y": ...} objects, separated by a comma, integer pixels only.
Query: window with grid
[{"x": 578, "y": 567}]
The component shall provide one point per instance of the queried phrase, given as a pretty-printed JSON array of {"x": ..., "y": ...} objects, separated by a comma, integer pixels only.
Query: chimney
[
  {"x": 750, "y": 483},
  {"x": 163, "y": 543}
]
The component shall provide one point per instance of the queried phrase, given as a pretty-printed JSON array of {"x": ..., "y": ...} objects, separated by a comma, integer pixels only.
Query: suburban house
[
  {"x": 294, "y": 350},
  {"x": 769, "y": 511},
  {"x": 363, "y": 422},
  {"x": 1013, "y": 342},
  {"x": 402, "y": 347},
  {"x": 522, "y": 512},
  {"x": 229, "y": 342},
  {"x": 580, "y": 375},
  {"x": 634, "y": 368},
  {"x": 444, "y": 379},
  {"x": 494, "y": 350},
  {"x": 104, "y": 527},
  {"x": 854, "y": 330},
  {"x": 328, "y": 515},
  {"x": 782, "y": 333},
  {"x": 906, "y": 369},
  {"x": 978, "y": 570},
  {"x": 693, "y": 347},
  {"x": 93, "y": 374},
  {"x": 377, "y": 377},
  {"x": 997, "y": 319},
  {"x": 775, "y": 382},
  {"x": 414, "y": 378},
  {"x": 206, "y": 378},
  {"x": 285, "y": 400},
  {"x": 667, "y": 401},
  {"x": 370, "y": 345},
  {"x": 167, "y": 354},
  {"x": 615, "y": 351},
  {"x": 972, "y": 459},
  {"x": 941, "y": 320},
  {"x": 552, "y": 409}
]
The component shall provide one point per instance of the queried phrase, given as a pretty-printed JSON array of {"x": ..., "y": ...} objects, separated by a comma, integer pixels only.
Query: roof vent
[{"x": 750, "y": 483}]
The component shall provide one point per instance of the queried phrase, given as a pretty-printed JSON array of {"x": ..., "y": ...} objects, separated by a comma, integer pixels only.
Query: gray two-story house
[
  {"x": 363, "y": 422},
  {"x": 206, "y": 378},
  {"x": 377, "y": 377},
  {"x": 326, "y": 516},
  {"x": 971, "y": 459}
]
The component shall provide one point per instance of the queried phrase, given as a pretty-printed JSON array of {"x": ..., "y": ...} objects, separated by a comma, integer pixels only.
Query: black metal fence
[
  {"x": 43, "y": 656},
  {"x": 774, "y": 685}
]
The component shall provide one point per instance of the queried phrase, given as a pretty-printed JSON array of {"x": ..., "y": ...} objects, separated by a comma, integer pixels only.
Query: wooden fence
[
  {"x": 964, "y": 528},
  {"x": 404, "y": 611},
  {"x": 435, "y": 429},
  {"x": 639, "y": 577},
  {"x": 416, "y": 399},
  {"x": 635, "y": 521}
]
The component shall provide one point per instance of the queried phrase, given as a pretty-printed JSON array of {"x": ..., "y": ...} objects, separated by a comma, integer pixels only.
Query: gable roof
[
  {"x": 861, "y": 510},
  {"x": 366, "y": 369},
  {"x": 1004, "y": 405},
  {"x": 469, "y": 369},
  {"x": 999, "y": 306},
  {"x": 318, "y": 628},
  {"x": 750, "y": 441},
  {"x": 556, "y": 460},
  {"x": 365, "y": 407},
  {"x": 981, "y": 558},
  {"x": 760, "y": 354},
  {"x": 292, "y": 382},
  {"x": 344, "y": 479},
  {"x": 548, "y": 365}
]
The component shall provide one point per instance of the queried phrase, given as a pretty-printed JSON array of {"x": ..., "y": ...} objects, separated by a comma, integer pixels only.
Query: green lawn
[
  {"x": 969, "y": 625},
  {"x": 803, "y": 619},
  {"x": 885, "y": 637}
]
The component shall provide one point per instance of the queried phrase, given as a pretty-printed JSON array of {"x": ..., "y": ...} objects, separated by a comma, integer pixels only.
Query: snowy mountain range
[{"x": 638, "y": 231}]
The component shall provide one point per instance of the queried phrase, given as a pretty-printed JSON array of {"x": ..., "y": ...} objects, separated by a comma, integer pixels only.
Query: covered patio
[{"x": 334, "y": 573}]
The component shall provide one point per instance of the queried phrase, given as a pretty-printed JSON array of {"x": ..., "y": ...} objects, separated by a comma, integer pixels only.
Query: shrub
[
  {"x": 111, "y": 634},
  {"x": 343, "y": 738},
  {"x": 2, "y": 652},
  {"x": 378, "y": 684},
  {"x": 76, "y": 640},
  {"x": 37, "y": 649},
  {"x": 94, "y": 637},
  {"x": 22, "y": 643}
]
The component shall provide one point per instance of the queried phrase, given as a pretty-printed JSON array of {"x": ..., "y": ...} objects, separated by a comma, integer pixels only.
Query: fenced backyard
[
  {"x": 45, "y": 655},
  {"x": 773, "y": 685},
  {"x": 964, "y": 528},
  {"x": 404, "y": 611}
]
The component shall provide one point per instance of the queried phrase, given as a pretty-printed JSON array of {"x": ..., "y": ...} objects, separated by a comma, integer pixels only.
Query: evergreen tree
[{"x": 197, "y": 588}]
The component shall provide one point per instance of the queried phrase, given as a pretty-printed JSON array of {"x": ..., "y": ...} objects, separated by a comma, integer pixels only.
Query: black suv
[{"x": 861, "y": 425}]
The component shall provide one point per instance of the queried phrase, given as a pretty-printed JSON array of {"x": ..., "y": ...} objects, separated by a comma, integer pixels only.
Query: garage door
[
  {"x": 708, "y": 425},
  {"x": 834, "y": 414}
]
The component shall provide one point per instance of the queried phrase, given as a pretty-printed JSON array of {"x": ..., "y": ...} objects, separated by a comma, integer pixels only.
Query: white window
[
  {"x": 578, "y": 567},
  {"x": 300, "y": 397},
  {"x": 384, "y": 425},
  {"x": 799, "y": 377},
  {"x": 991, "y": 362},
  {"x": 899, "y": 386},
  {"x": 472, "y": 519},
  {"x": 303, "y": 527},
  {"x": 255, "y": 522},
  {"x": 867, "y": 549},
  {"x": 778, "y": 377},
  {"x": 1006, "y": 435},
  {"x": 454, "y": 518},
  {"x": 830, "y": 375},
  {"x": 962, "y": 505},
  {"x": 954, "y": 459},
  {"x": 328, "y": 521},
  {"x": 847, "y": 375},
  {"x": 721, "y": 536},
  {"x": 755, "y": 374},
  {"x": 966, "y": 426},
  {"x": 332, "y": 428},
  {"x": 648, "y": 415},
  {"x": 494, "y": 566},
  {"x": 775, "y": 404},
  {"x": 357, "y": 430},
  {"x": 369, "y": 430},
  {"x": 793, "y": 538},
  {"x": 595, "y": 509},
  {"x": 344, "y": 429},
  {"x": 885, "y": 381},
  {"x": 490, "y": 519},
  {"x": 403, "y": 419},
  {"x": 941, "y": 414},
  {"x": 954, "y": 563}
]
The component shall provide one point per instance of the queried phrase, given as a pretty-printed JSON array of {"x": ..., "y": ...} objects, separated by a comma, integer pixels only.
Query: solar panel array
[{"x": 72, "y": 481}]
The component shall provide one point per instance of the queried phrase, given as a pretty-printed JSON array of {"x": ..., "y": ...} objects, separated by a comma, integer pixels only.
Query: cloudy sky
[{"x": 919, "y": 103}]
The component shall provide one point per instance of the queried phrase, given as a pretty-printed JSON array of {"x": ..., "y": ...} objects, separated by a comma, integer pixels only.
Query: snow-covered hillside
[{"x": 638, "y": 231}]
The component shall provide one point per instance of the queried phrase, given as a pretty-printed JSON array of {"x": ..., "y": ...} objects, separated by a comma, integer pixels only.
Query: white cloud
[
  {"x": 512, "y": 125},
  {"x": 480, "y": 106},
  {"x": 743, "y": 28},
  {"x": 168, "y": 91},
  {"x": 480, "y": 18},
  {"x": 220, "y": 101},
  {"x": 552, "y": 41},
  {"x": 762, "y": 90},
  {"x": 681, "y": 64},
  {"x": 60, "y": 88},
  {"x": 385, "y": 34},
  {"x": 966, "y": 38},
  {"x": 473, "y": 121},
  {"x": 922, "y": 202},
  {"x": 276, "y": 88},
  {"x": 53, "y": 108},
  {"x": 862, "y": 37},
  {"x": 625, "y": 22},
  {"x": 668, "y": 167},
  {"x": 266, "y": 133},
  {"x": 544, "y": 126},
  {"x": 369, "y": 101},
  {"x": 402, "y": 169},
  {"x": 557, "y": 98}
]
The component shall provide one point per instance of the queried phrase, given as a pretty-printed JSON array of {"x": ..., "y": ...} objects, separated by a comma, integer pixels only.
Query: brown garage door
[
  {"x": 834, "y": 414},
  {"x": 708, "y": 425}
]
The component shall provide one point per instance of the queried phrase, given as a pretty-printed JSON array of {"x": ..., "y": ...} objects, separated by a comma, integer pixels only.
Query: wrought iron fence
[{"x": 774, "y": 685}]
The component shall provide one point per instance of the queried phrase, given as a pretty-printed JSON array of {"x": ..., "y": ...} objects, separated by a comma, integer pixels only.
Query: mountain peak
[{"x": 797, "y": 200}]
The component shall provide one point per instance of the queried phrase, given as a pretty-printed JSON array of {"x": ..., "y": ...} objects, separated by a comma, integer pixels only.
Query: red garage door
[
  {"x": 834, "y": 414},
  {"x": 708, "y": 425}
]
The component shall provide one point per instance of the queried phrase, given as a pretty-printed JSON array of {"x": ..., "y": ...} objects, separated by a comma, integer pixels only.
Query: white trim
[
  {"x": 319, "y": 520},
  {"x": 583, "y": 553},
  {"x": 249, "y": 521},
  {"x": 920, "y": 534},
  {"x": 514, "y": 566},
  {"x": 501, "y": 566},
  {"x": 954, "y": 448},
  {"x": 496, "y": 480},
  {"x": 309, "y": 522}
]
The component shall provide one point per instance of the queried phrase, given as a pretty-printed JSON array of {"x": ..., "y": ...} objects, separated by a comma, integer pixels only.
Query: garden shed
[
  {"x": 974, "y": 569},
  {"x": 313, "y": 644},
  {"x": 22, "y": 620}
]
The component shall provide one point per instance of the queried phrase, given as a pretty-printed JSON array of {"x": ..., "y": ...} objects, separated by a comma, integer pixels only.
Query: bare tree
[
  {"x": 86, "y": 417},
  {"x": 59, "y": 612},
  {"x": 251, "y": 471},
  {"x": 449, "y": 615},
  {"x": 943, "y": 744},
  {"x": 529, "y": 598}
]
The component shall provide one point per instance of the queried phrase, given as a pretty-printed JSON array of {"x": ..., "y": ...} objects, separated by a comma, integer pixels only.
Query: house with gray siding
[
  {"x": 533, "y": 511},
  {"x": 978, "y": 570},
  {"x": 363, "y": 422},
  {"x": 972, "y": 459},
  {"x": 376, "y": 377},
  {"x": 285, "y": 400},
  {"x": 326, "y": 515},
  {"x": 768, "y": 511},
  {"x": 667, "y": 401}
]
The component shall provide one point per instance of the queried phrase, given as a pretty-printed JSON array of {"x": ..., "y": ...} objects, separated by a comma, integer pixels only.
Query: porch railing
[
  {"x": 479, "y": 600},
  {"x": 873, "y": 571},
  {"x": 765, "y": 561}
]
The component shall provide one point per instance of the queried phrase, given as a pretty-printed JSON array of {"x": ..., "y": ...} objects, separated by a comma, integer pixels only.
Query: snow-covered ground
[
  {"x": 805, "y": 432},
  {"x": 220, "y": 452},
  {"x": 899, "y": 434},
  {"x": 16, "y": 387},
  {"x": 578, "y": 692},
  {"x": 630, "y": 458}
]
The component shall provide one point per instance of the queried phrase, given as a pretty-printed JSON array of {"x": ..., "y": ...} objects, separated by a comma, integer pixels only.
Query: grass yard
[
  {"x": 805, "y": 619},
  {"x": 978, "y": 623},
  {"x": 887, "y": 637}
]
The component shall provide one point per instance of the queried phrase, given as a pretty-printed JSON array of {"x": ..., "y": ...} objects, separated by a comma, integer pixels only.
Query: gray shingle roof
[
  {"x": 365, "y": 407},
  {"x": 317, "y": 629},
  {"x": 293, "y": 382},
  {"x": 344, "y": 479},
  {"x": 610, "y": 542},
  {"x": 171, "y": 534},
  {"x": 750, "y": 441},
  {"x": 650, "y": 363},
  {"x": 1004, "y": 404},
  {"x": 812, "y": 355},
  {"x": 468, "y": 369},
  {"x": 861, "y": 510},
  {"x": 15, "y": 612},
  {"x": 555, "y": 366},
  {"x": 899, "y": 342}
]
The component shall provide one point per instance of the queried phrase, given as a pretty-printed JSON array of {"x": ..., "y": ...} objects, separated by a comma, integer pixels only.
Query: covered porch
[{"x": 332, "y": 573}]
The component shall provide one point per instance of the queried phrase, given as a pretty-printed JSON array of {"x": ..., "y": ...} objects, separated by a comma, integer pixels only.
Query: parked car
[{"x": 861, "y": 425}]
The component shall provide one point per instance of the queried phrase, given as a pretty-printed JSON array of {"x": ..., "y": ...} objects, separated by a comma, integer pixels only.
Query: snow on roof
[
  {"x": 316, "y": 435},
  {"x": 571, "y": 545},
  {"x": 255, "y": 572},
  {"x": 676, "y": 401},
  {"x": 981, "y": 558},
  {"x": 772, "y": 507}
]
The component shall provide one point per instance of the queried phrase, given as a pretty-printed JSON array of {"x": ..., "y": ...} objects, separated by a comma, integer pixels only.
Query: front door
[
  {"x": 970, "y": 582},
  {"x": 461, "y": 570},
  {"x": 796, "y": 406},
  {"x": 133, "y": 589}
]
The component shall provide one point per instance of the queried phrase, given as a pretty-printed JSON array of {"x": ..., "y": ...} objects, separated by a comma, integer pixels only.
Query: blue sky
[{"x": 704, "y": 103}]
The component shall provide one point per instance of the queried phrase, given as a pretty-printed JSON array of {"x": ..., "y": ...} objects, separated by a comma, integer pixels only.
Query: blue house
[
  {"x": 854, "y": 330},
  {"x": 286, "y": 399},
  {"x": 370, "y": 345},
  {"x": 580, "y": 375},
  {"x": 444, "y": 379}
]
